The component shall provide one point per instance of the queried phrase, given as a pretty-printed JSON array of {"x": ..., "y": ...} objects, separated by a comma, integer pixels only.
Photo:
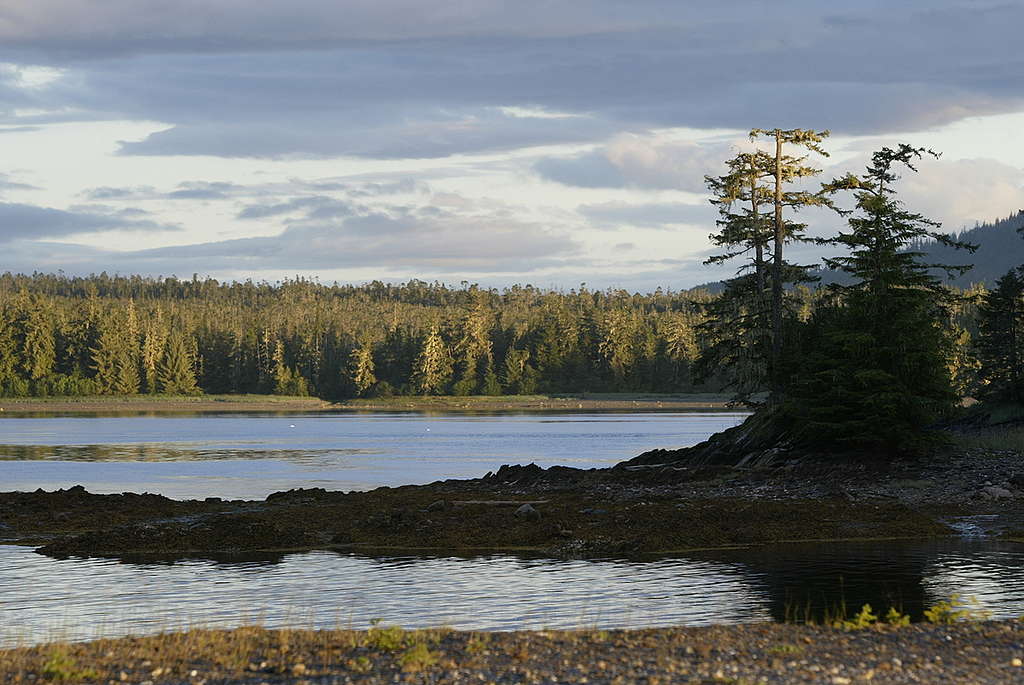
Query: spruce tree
[
  {"x": 745, "y": 328},
  {"x": 520, "y": 377},
  {"x": 1000, "y": 342},
  {"x": 115, "y": 359},
  {"x": 787, "y": 170},
  {"x": 875, "y": 353},
  {"x": 37, "y": 338},
  {"x": 176, "y": 370},
  {"x": 433, "y": 368},
  {"x": 361, "y": 368}
]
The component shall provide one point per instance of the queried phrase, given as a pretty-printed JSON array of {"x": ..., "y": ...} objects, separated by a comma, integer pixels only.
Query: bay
[{"x": 248, "y": 456}]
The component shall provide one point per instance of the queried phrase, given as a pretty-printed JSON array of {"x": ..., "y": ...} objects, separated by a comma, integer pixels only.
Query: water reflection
[
  {"x": 250, "y": 456},
  {"x": 325, "y": 589},
  {"x": 495, "y": 592},
  {"x": 180, "y": 451},
  {"x": 814, "y": 581},
  {"x": 980, "y": 579}
]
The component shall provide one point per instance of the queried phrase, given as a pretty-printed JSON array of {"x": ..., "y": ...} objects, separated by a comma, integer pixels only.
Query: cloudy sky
[{"x": 550, "y": 142}]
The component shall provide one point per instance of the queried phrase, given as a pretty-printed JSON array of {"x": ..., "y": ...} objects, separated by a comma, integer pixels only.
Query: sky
[{"x": 549, "y": 142}]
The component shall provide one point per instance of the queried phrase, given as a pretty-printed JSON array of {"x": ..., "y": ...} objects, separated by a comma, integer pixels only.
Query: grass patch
[{"x": 61, "y": 667}]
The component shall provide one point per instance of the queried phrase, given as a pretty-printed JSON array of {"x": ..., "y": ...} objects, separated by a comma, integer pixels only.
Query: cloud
[
  {"x": 400, "y": 79},
  {"x": 664, "y": 215},
  {"x": 109, "y": 193},
  {"x": 958, "y": 193},
  {"x": 22, "y": 221},
  {"x": 8, "y": 183},
  {"x": 411, "y": 239},
  {"x": 109, "y": 210},
  {"x": 587, "y": 170},
  {"x": 962, "y": 192},
  {"x": 322, "y": 236},
  {"x": 19, "y": 129},
  {"x": 409, "y": 136},
  {"x": 313, "y": 207},
  {"x": 398, "y": 186},
  {"x": 204, "y": 190},
  {"x": 635, "y": 161}
]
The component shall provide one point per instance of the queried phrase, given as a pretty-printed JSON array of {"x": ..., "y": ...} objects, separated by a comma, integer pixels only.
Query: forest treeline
[
  {"x": 101, "y": 334},
  {"x": 62, "y": 335}
]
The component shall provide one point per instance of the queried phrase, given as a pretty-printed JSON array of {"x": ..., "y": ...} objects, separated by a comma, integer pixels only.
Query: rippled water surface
[
  {"x": 251, "y": 455},
  {"x": 43, "y": 598}
]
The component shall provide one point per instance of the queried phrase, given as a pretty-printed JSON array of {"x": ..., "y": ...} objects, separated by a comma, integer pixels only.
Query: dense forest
[{"x": 63, "y": 335}]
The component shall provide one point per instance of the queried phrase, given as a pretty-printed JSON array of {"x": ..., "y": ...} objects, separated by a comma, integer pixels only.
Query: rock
[
  {"x": 995, "y": 492},
  {"x": 528, "y": 513},
  {"x": 439, "y": 505},
  {"x": 1017, "y": 481}
]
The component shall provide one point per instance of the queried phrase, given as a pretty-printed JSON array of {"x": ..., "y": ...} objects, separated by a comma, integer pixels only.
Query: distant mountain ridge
[{"x": 1000, "y": 248}]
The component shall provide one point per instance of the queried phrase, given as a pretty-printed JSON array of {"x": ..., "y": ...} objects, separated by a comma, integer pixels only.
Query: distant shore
[{"x": 105, "y": 404}]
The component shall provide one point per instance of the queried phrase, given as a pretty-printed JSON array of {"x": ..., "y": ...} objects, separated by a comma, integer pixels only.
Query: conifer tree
[
  {"x": 287, "y": 381},
  {"x": 876, "y": 355},
  {"x": 115, "y": 357},
  {"x": 490, "y": 385},
  {"x": 744, "y": 331},
  {"x": 620, "y": 345},
  {"x": 37, "y": 333},
  {"x": 520, "y": 376},
  {"x": 475, "y": 350},
  {"x": 153, "y": 342},
  {"x": 176, "y": 370},
  {"x": 786, "y": 170},
  {"x": 433, "y": 368},
  {"x": 1000, "y": 343},
  {"x": 361, "y": 367},
  {"x": 11, "y": 383}
]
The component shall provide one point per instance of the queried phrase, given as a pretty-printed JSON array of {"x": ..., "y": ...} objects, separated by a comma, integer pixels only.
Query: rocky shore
[
  {"x": 630, "y": 510},
  {"x": 967, "y": 652}
]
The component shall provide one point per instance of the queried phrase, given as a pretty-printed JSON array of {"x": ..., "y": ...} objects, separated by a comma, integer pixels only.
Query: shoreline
[
  {"x": 557, "y": 512},
  {"x": 200, "y": 404},
  {"x": 964, "y": 651}
]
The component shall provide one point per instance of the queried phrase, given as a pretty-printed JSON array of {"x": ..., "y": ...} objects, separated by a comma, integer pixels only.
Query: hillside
[{"x": 1000, "y": 248}]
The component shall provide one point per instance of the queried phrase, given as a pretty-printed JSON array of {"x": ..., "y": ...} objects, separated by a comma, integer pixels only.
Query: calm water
[
  {"x": 44, "y": 598},
  {"x": 251, "y": 455}
]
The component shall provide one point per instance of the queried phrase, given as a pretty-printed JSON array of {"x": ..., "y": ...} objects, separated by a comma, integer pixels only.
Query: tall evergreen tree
[
  {"x": 34, "y": 327},
  {"x": 115, "y": 358},
  {"x": 176, "y": 371},
  {"x": 520, "y": 376},
  {"x": 153, "y": 341},
  {"x": 361, "y": 367},
  {"x": 787, "y": 170},
  {"x": 875, "y": 369},
  {"x": 433, "y": 368},
  {"x": 1000, "y": 343}
]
